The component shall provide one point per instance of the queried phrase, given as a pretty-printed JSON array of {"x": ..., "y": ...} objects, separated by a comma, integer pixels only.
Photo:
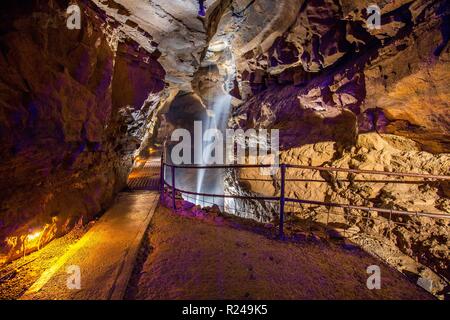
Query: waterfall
[
  {"x": 217, "y": 81},
  {"x": 211, "y": 180}
]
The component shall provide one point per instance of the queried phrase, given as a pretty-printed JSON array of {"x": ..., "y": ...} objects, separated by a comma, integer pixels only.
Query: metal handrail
[
  {"x": 314, "y": 202},
  {"x": 374, "y": 172},
  {"x": 318, "y": 168},
  {"x": 224, "y": 195},
  {"x": 282, "y": 199}
]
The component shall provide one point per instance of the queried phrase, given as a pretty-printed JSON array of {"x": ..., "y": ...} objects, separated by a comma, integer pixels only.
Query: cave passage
[{"x": 118, "y": 179}]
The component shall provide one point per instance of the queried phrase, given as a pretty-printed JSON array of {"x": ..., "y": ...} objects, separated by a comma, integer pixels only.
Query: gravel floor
[{"x": 190, "y": 258}]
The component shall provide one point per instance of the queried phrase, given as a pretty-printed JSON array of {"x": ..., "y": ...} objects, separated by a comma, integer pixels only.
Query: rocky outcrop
[
  {"x": 377, "y": 74},
  {"x": 424, "y": 239},
  {"x": 169, "y": 29},
  {"x": 73, "y": 108},
  {"x": 302, "y": 116}
]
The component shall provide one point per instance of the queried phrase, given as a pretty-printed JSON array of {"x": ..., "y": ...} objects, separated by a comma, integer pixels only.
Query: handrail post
[
  {"x": 282, "y": 199},
  {"x": 174, "y": 206},
  {"x": 161, "y": 180}
]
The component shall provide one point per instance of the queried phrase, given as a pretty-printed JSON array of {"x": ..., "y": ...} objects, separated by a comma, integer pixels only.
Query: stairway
[{"x": 145, "y": 175}]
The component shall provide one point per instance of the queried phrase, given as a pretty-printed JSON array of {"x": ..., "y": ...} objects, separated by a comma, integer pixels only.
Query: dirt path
[{"x": 193, "y": 259}]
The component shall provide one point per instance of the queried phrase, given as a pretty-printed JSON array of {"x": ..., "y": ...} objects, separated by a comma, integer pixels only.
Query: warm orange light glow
[{"x": 33, "y": 236}]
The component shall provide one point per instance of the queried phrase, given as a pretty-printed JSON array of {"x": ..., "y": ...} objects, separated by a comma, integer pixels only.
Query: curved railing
[{"x": 282, "y": 199}]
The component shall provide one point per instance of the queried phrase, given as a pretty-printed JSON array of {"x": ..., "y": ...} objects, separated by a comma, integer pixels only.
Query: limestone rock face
[
  {"x": 72, "y": 112},
  {"x": 170, "y": 29},
  {"x": 407, "y": 82},
  {"x": 302, "y": 116},
  {"x": 345, "y": 95},
  {"x": 424, "y": 239},
  {"x": 382, "y": 76}
]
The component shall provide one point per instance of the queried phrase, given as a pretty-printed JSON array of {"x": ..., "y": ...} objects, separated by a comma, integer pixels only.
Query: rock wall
[
  {"x": 427, "y": 240},
  {"x": 393, "y": 79},
  {"x": 74, "y": 105},
  {"x": 344, "y": 95}
]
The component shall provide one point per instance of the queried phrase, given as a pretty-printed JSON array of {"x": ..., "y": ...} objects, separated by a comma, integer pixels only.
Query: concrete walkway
[{"x": 104, "y": 256}]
